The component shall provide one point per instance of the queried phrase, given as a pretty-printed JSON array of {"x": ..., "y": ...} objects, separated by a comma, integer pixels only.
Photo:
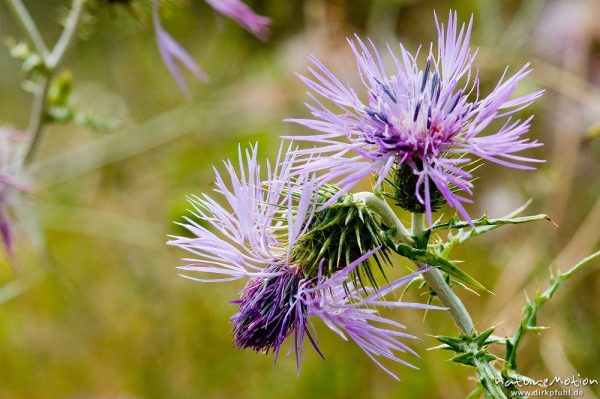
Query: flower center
[{"x": 423, "y": 124}]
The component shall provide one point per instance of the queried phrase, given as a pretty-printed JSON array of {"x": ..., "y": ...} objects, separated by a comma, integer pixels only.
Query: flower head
[
  {"x": 427, "y": 122},
  {"x": 254, "y": 240}
]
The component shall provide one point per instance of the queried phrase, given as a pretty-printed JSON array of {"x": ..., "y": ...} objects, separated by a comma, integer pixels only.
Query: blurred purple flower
[
  {"x": 243, "y": 15},
  {"x": 253, "y": 242},
  {"x": 172, "y": 52},
  {"x": 8, "y": 141},
  {"x": 426, "y": 120}
]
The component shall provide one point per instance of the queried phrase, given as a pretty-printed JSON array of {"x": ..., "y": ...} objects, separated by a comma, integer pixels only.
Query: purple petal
[
  {"x": 171, "y": 53},
  {"x": 243, "y": 15}
]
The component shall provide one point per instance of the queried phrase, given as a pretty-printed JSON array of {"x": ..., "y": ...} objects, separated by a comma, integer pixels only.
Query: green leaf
[
  {"x": 431, "y": 259},
  {"x": 483, "y": 221},
  {"x": 456, "y": 344},
  {"x": 481, "y": 339},
  {"x": 422, "y": 241},
  {"x": 465, "y": 358},
  {"x": 486, "y": 357},
  {"x": 479, "y": 226}
]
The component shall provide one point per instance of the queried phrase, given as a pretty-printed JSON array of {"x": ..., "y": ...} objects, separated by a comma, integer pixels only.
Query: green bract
[
  {"x": 403, "y": 182},
  {"x": 340, "y": 234}
]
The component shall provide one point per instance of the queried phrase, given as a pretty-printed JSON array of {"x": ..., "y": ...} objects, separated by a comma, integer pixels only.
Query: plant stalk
[
  {"x": 438, "y": 284},
  {"x": 388, "y": 217},
  {"x": 51, "y": 62},
  {"x": 28, "y": 25},
  {"x": 488, "y": 375}
]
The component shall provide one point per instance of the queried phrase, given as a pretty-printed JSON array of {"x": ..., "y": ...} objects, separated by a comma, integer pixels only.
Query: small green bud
[
  {"x": 404, "y": 184},
  {"x": 31, "y": 62}
]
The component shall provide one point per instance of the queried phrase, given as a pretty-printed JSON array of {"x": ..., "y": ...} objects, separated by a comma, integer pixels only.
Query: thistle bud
[
  {"x": 339, "y": 234},
  {"x": 403, "y": 184}
]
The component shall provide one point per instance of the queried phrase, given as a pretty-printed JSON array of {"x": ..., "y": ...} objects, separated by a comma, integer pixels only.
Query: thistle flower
[
  {"x": 428, "y": 122},
  {"x": 172, "y": 52},
  {"x": 254, "y": 240}
]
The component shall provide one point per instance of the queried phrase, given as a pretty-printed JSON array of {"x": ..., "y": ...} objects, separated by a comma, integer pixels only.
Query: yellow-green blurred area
[{"x": 97, "y": 309}]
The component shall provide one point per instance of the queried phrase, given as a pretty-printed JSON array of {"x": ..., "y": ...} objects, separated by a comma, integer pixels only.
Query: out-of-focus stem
[
  {"x": 36, "y": 120},
  {"x": 528, "y": 323},
  {"x": 24, "y": 19},
  {"x": 50, "y": 62},
  {"x": 68, "y": 34}
]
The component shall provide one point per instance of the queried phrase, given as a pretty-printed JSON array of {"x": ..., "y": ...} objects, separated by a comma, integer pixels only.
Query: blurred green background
[{"x": 99, "y": 311}]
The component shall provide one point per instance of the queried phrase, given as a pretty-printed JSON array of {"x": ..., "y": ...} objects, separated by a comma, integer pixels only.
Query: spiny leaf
[
  {"x": 536, "y": 329},
  {"x": 481, "y": 339},
  {"x": 455, "y": 223},
  {"x": 429, "y": 258},
  {"x": 422, "y": 240},
  {"x": 465, "y": 358},
  {"x": 453, "y": 343}
]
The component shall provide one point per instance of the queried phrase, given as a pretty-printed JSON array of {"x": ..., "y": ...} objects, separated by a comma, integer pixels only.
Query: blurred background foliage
[{"x": 97, "y": 309}]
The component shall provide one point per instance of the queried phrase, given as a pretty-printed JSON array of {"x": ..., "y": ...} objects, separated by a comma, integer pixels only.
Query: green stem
[
  {"x": 28, "y": 25},
  {"x": 529, "y": 321},
  {"x": 487, "y": 373},
  {"x": 51, "y": 62},
  {"x": 438, "y": 284},
  {"x": 388, "y": 217},
  {"x": 67, "y": 36},
  {"x": 36, "y": 120}
]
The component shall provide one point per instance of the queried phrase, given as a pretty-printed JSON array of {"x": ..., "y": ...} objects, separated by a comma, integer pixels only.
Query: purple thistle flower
[
  {"x": 253, "y": 241},
  {"x": 422, "y": 119}
]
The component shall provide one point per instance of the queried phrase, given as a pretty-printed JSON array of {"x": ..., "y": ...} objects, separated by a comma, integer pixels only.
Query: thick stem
[
  {"x": 388, "y": 217},
  {"x": 487, "y": 374},
  {"x": 438, "y": 284}
]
